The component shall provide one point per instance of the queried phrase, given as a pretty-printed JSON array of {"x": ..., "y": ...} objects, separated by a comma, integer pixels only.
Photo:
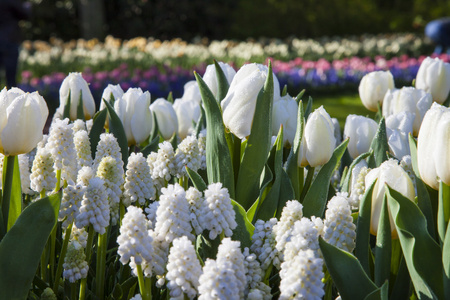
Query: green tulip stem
[
  {"x": 309, "y": 178},
  {"x": 73, "y": 290},
  {"x": 42, "y": 194},
  {"x": 58, "y": 180},
  {"x": 267, "y": 274},
  {"x": 62, "y": 255},
  {"x": 183, "y": 181},
  {"x": 7, "y": 188},
  {"x": 89, "y": 244},
  {"x": 101, "y": 264},
  {"x": 145, "y": 291}
]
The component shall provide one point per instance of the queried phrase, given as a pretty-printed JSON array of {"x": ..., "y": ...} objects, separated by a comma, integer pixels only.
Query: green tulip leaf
[
  {"x": 22, "y": 246},
  {"x": 383, "y": 247},
  {"x": 116, "y": 128},
  {"x": 316, "y": 197},
  {"x": 266, "y": 179},
  {"x": 12, "y": 191},
  {"x": 413, "y": 151},
  {"x": 401, "y": 288},
  {"x": 286, "y": 193},
  {"x": 443, "y": 214},
  {"x": 218, "y": 157},
  {"x": 80, "y": 109},
  {"x": 244, "y": 230},
  {"x": 170, "y": 97},
  {"x": 222, "y": 82},
  {"x": 308, "y": 108},
  {"x": 201, "y": 122},
  {"x": 66, "y": 109},
  {"x": 97, "y": 130},
  {"x": 382, "y": 293},
  {"x": 446, "y": 262},
  {"x": 379, "y": 146},
  {"x": 284, "y": 91},
  {"x": 196, "y": 179},
  {"x": 151, "y": 147},
  {"x": 421, "y": 252},
  {"x": 347, "y": 273},
  {"x": 155, "y": 129},
  {"x": 258, "y": 146}
]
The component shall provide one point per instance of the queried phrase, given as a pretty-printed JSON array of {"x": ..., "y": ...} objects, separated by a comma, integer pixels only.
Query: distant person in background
[
  {"x": 11, "y": 12},
  {"x": 439, "y": 32}
]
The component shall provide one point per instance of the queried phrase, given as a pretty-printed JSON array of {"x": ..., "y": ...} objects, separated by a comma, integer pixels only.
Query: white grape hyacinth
[
  {"x": 164, "y": 164},
  {"x": 292, "y": 212},
  {"x": 304, "y": 236},
  {"x": 78, "y": 125},
  {"x": 84, "y": 175},
  {"x": 83, "y": 148},
  {"x": 230, "y": 252},
  {"x": 71, "y": 203},
  {"x": 25, "y": 173},
  {"x": 255, "y": 276},
  {"x": 158, "y": 182},
  {"x": 183, "y": 269},
  {"x": 107, "y": 146},
  {"x": 75, "y": 265},
  {"x": 264, "y": 243},
  {"x": 138, "y": 182},
  {"x": 218, "y": 215},
  {"x": 195, "y": 200},
  {"x": 187, "y": 155},
  {"x": 151, "y": 214},
  {"x": 218, "y": 282},
  {"x": 202, "y": 148},
  {"x": 42, "y": 177}
]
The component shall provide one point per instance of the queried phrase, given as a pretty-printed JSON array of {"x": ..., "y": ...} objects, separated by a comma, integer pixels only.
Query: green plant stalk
[
  {"x": 145, "y": 291},
  {"x": 62, "y": 255},
  {"x": 89, "y": 244},
  {"x": 52, "y": 254},
  {"x": 44, "y": 253},
  {"x": 301, "y": 179},
  {"x": 101, "y": 264},
  {"x": 236, "y": 157},
  {"x": 58, "y": 180},
  {"x": 309, "y": 178},
  {"x": 73, "y": 291},
  {"x": 6, "y": 188},
  {"x": 183, "y": 181},
  {"x": 443, "y": 210}
]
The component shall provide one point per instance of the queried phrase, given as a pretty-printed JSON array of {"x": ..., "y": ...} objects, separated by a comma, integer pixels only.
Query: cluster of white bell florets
[
  {"x": 163, "y": 162},
  {"x": 264, "y": 243},
  {"x": 202, "y": 148},
  {"x": 75, "y": 265},
  {"x": 138, "y": 183},
  {"x": 255, "y": 276},
  {"x": 71, "y": 203},
  {"x": 187, "y": 155},
  {"x": 82, "y": 148},
  {"x": 195, "y": 200},
  {"x": 107, "y": 146},
  {"x": 292, "y": 212},
  {"x": 43, "y": 177}
]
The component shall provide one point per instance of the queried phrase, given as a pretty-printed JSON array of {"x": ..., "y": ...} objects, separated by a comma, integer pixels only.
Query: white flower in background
[
  {"x": 172, "y": 216},
  {"x": 151, "y": 214},
  {"x": 94, "y": 208},
  {"x": 202, "y": 148},
  {"x": 78, "y": 125},
  {"x": 42, "y": 177},
  {"x": 285, "y": 112},
  {"x": 187, "y": 155},
  {"x": 75, "y": 265},
  {"x": 158, "y": 182},
  {"x": 133, "y": 109},
  {"x": 188, "y": 112},
  {"x": 107, "y": 146},
  {"x": 163, "y": 164},
  {"x": 136, "y": 297},
  {"x": 24, "y": 168},
  {"x": 230, "y": 252},
  {"x": 82, "y": 148},
  {"x": 84, "y": 175},
  {"x": 166, "y": 117},
  {"x": 361, "y": 131},
  {"x": 195, "y": 200},
  {"x": 114, "y": 91},
  {"x": 433, "y": 144},
  {"x": 138, "y": 182},
  {"x": 70, "y": 203},
  {"x": 406, "y": 164},
  {"x": 218, "y": 281},
  {"x": 398, "y": 128},
  {"x": 192, "y": 92},
  {"x": 210, "y": 76},
  {"x": 157, "y": 265},
  {"x": 239, "y": 104},
  {"x": 77, "y": 88},
  {"x": 183, "y": 269},
  {"x": 22, "y": 120},
  {"x": 217, "y": 214},
  {"x": 434, "y": 77},
  {"x": 357, "y": 186},
  {"x": 318, "y": 140},
  {"x": 373, "y": 87},
  {"x": 339, "y": 229},
  {"x": 264, "y": 243},
  {"x": 407, "y": 99},
  {"x": 337, "y": 131},
  {"x": 134, "y": 240},
  {"x": 78, "y": 234},
  {"x": 255, "y": 276},
  {"x": 390, "y": 173},
  {"x": 292, "y": 211}
]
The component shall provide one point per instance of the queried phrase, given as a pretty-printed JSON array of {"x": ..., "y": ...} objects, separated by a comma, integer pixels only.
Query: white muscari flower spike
[
  {"x": 218, "y": 281},
  {"x": 158, "y": 182},
  {"x": 255, "y": 276},
  {"x": 358, "y": 186},
  {"x": 157, "y": 265},
  {"x": 264, "y": 243},
  {"x": 42, "y": 175},
  {"x": 183, "y": 269},
  {"x": 94, "y": 207},
  {"x": 48, "y": 294},
  {"x": 230, "y": 252},
  {"x": 25, "y": 174},
  {"x": 202, "y": 148},
  {"x": 304, "y": 236},
  {"x": 164, "y": 164},
  {"x": 301, "y": 277},
  {"x": 195, "y": 200},
  {"x": 89, "y": 124},
  {"x": 217, "y": 214},
  {"x": 172, "y": 216},
  {"x": 138, "y": 182},
  {"x": 339, "y": 229},
  {"x": 71, "y": 203},
  {"x": 43, "y": 142},
  {"x": 134, "y": 240},
  {"x": 83, "y": 148},
  {"x": 292, "y": 211},
  {"x": 78, "y": 125},
  {"x": 75, "y": 265},
  {"x": 108, "y": 146},
  {"x": 78, "y": 234},
  {"x": 84, "y": 175},
  {"x": 151, "y": 214},
  {"x": 187, "y": 154},
  {"x": 61, "y": 145}
]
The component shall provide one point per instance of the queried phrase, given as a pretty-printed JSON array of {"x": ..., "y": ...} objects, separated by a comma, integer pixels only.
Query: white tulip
[
  {"x": 239, "y": 104},
  {"x": 210, "y": 77},
  {"x": 188, "y": 113},
  {"x": 390, "y": 173},
  {"x": 318, "y": 140},
  {"x": 373, "y": 87},
  {"x": 361, "y": 131},
  {"x": 111, "y": 90},
  {"x": 133, "y": 110},
  {"x": 398, "y": 128},
  {"x": 337, "y": 131},
  {"x": 192, "y": 92},
  {"x": 77, "y": 86},
  {"x": 22, "y": 120},
  {"x": 407, "y": 99},
  {"x": 434, "y": 77},
  {"x": 285, "y": 112},
  {"x": 166, "y": 117}
]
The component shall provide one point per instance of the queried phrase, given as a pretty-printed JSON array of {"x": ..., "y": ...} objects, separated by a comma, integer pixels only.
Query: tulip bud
[
  {"x": 166, "y": 117},
  {"x": 239, "y": 104},
  {"x": 407, "y": 99},
  {"x": 433, "y": 144},
  {"x": 133, "y": 110},
  {"x": 210, "y": 77},
  {"x": 434, "y": 77},
  {"x": 361, "y": 131},
  {"x": 285, "y": 112},
  {"x": 22, "y": 120},
  {"x": 77, "y": 86},
  {"x": 398, "y": 127},
  {"x": 373, "y": 87},
  {"x": 318, "y": 140},
  {"x": 390, "y": 173}
]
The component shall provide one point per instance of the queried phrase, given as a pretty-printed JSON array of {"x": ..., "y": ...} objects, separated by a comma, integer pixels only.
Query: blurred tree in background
[{"x": 227, "y": 19}]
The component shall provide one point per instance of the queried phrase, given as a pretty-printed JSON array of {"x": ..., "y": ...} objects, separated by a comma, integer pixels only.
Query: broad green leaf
[
  {"x": 97, "y": 129},
  {"x": 266, "y": 179},
  {"x": 22, "y": 246},
  {"x": 424, "y": 203},
  {"x": 222, "y": 82},
  {"x": 401, "y": 288},
  {"x": 205, "y": 247},
  {"x": 258, "y": 146},
  {"x": 379, "y": 146},
  {"x": 443, "y": 210},
  {"x": 383, "y": 247},
  {"x": 218, "y": 157},
  {"x": 286, "y": 193},
  {"x": 151, "y": 147},
  {"x": 11, "y": 192},
  {"x": 348, "y": 175},
  {"x": 381, "y": 293},
  {"x": 347, "y": 273},
  {"x": 421, "y": 252},
  {"x": 80, "y": 109},
  {"x": 308, "y": 108},
  {"x": 362, "y": 249},
  {"x": 446, "y": 262},
  {"x": 244, "y": 230},
  {"x": 196, "y": 179},
  {"x": 201, "y": 122},
  {"x": 116, "y": 128},
  {"x": 413, "y": 151},
  {"x": 315, "y": 200},
  {"x": 66, "y": 109}
]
